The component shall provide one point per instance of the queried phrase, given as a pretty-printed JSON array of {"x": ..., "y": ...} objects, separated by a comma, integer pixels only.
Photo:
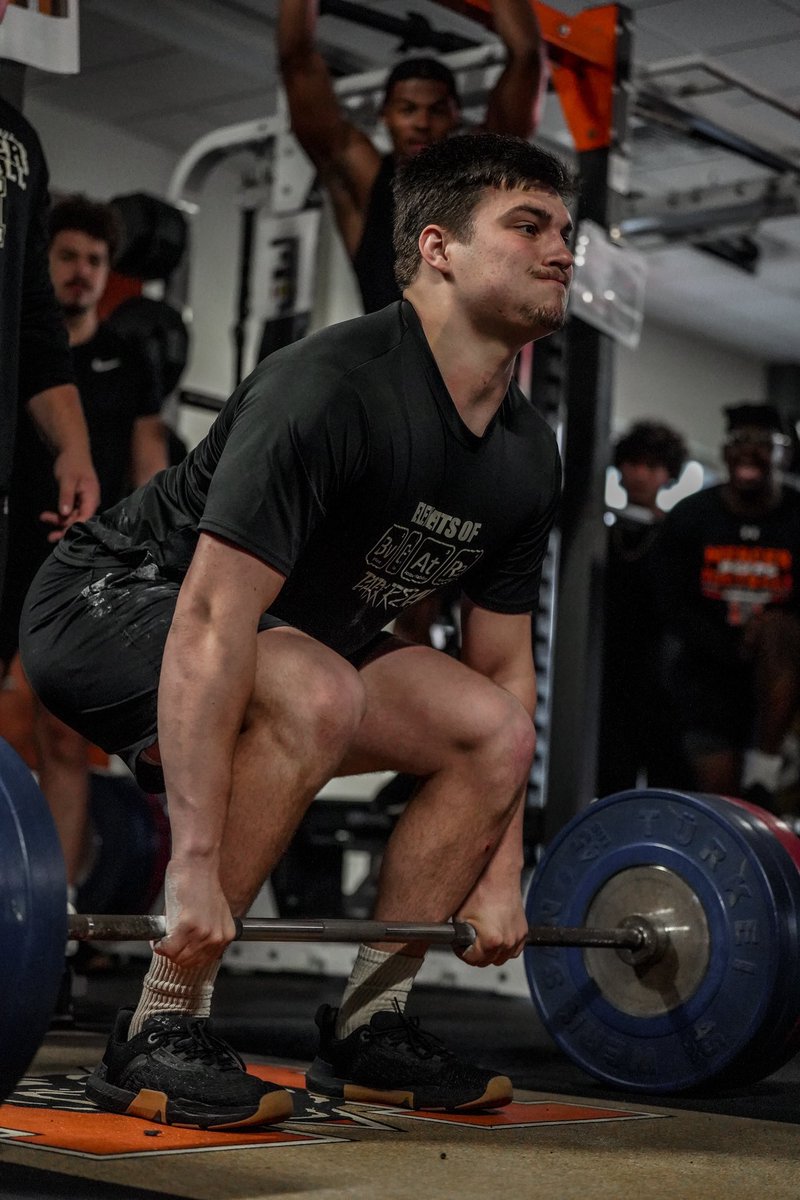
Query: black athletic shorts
[{"x": 91, "y": 643}]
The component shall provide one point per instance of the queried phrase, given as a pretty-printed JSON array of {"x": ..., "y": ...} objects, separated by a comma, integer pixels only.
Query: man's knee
[
  {"x": 507, "y": 744},
  {"x": 322, "y": 703},
  {"x": 334, "y": 703}
]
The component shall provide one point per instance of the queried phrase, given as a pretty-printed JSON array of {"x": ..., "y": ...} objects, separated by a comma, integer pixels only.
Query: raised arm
[
  {"x": 344, "y": 156},
  {"x": 516, "y": 100}
]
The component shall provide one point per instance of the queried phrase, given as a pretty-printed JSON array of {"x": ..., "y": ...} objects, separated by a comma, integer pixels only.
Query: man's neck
[
  {"x": 81, "y": 327},
  {"x": 476, "y": 368}
]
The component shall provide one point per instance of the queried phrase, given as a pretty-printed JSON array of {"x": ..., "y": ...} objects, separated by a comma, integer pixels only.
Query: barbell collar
[{"x": 638, "y": 936}]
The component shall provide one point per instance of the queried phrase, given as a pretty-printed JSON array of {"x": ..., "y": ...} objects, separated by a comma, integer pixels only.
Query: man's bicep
[
  {"x": 225, "y": 582},
  {"x": 498, "y": 645}
]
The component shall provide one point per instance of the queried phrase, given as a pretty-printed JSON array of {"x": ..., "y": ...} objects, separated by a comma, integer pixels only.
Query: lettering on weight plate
[
  {"x": 736, "y": 887},
  {"x": 704, "y": 1041},
  {"x": 714, "y": 853},
  {"x": 743, "y": 965},
  {"x": 648, "y": 817},
  {"x": 685, "y": 825},
  {"x": 590, "y": 841},
  {"x": 745, "y": 933}
]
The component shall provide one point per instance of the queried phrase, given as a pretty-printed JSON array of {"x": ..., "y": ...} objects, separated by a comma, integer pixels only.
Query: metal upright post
[{"x": 588, "y": 408}]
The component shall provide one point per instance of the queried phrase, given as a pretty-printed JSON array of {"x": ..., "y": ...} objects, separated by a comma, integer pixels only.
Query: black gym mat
[
  {"x": 273, "y": 1016},
  {"x": 29, "y": 1183}
]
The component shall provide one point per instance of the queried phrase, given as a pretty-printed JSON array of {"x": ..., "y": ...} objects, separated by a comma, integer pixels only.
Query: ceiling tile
[{"x": 713, "y": 24}]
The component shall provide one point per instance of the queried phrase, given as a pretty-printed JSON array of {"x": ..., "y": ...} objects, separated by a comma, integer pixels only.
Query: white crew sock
[
  {"x": 170, "y": 989},
  {"x": 377, "y": 980},
  {"x": 762, "y": 768}
]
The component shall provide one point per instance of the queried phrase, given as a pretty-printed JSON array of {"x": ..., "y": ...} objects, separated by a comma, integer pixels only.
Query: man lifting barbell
[{"x": 350, "y": 474}]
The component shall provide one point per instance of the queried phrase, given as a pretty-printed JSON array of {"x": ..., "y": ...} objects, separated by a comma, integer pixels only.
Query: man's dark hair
[
  {"x": 444, "y": 183},
  {"x": 652, "y": 442},
  {"x": 421, "y": 68},
  {"x": 759, "y": 416},
  {"x": 95, "y": 219}
]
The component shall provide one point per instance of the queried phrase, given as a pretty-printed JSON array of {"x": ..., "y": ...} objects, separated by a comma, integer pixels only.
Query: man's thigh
[{"x": 422, "y": 706}]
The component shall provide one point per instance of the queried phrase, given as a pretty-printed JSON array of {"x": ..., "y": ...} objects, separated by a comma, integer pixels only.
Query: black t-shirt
[
  {"x": 632, "y": 628},
  {"x": 343, "y": 463},
  {"x": 716, "y": 569},
  {"x": 373, "y": 261},
  {"x": 116, "y": 387},
  {"x": 34, "y": 354}
]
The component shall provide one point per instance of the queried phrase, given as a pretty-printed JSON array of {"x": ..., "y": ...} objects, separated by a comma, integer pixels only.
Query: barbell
[{"x": 662, "y": 955}]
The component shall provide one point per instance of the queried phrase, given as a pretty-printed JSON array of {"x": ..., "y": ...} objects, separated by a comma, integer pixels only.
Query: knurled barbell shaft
[{"x": 143, "y": 927}]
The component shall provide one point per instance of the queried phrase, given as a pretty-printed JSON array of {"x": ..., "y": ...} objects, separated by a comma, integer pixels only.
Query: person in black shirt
[
  {"x": 242, "y": 597},
  {"x": 638, "y": 731},
  {"x": 728, "y": 579},
  {"x": 128, "y": 441},
  {"x": 35, "y": 369},
  {"x": 421, "y": 105}
]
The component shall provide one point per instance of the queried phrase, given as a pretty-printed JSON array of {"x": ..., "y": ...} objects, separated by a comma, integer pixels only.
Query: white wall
[
  {"x": 685, "y": 381},
  {"x": 86, "y": 155}
]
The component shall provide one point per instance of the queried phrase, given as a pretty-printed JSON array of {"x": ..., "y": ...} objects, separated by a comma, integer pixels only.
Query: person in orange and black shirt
[{"x": 729, "y": 559}]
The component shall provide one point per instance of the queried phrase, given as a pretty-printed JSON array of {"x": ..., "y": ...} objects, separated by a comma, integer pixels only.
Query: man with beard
[
  {"x": 243, "y": 595},
  {"x": 728, "y": 560},
  {"x": 128, "y": 442}
]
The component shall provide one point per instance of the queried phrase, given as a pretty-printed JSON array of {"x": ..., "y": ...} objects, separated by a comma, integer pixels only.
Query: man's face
[
  {"x": 418, "y": 113},
  {"x": 79, "y": 270},
  {"x": 643, "y": 481},
  {"x": 751, "y": 454},
  {"x": 515, "y": 270}
]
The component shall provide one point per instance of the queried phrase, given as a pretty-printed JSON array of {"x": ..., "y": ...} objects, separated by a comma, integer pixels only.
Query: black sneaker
[
  {"x": 393, "y": 1061},
  {"x": 175, "y": 1072}
]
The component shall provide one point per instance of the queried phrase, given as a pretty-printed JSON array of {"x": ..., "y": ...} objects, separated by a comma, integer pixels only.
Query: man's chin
[{"x": 549, "y": 317}]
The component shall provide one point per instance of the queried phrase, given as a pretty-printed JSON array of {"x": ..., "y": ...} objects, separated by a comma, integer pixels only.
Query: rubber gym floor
[{"x": 565, "y": 1135}]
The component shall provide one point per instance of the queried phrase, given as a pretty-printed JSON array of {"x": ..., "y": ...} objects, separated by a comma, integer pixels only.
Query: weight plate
[
  {"x": 703, "y": 1019},
  {"x": 131, "y": 845},
  {"x": 33, "y": 917},
  {"x": 778, "y": 1040}
]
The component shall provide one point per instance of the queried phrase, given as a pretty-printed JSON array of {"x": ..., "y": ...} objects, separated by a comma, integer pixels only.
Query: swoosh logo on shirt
[{"x": 105, "y": 364}]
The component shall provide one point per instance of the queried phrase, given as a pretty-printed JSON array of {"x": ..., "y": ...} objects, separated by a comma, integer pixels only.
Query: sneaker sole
[
  {"x": 149, "y": 1105},
  {"x": 497, "y": 1093}
]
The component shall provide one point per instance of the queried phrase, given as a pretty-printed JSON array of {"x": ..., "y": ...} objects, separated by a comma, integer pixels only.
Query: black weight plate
[
  {"x": 33, "y": 917},
  {"x": 130, "y": 831},
  {"x": 683, "y": 1022},
  {"x": 777, "y": 1040}
]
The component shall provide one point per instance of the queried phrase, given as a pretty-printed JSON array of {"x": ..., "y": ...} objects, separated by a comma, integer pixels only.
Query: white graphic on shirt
[
  {"x": 105, "y": 364},
  {"x": 14, "y": 168},
  {"x": 407, "y": 564}
]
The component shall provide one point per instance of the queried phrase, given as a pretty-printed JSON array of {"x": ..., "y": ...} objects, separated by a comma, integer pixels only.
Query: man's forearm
[
  {"x": 517, "y": 27},
  {"x": 58, "y": 414},
  {"x": 206, "y": 679},
  {"x": 297, "y": 24}
]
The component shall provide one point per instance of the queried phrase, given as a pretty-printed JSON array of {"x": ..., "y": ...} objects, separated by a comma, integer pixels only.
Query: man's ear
[{"x": 434, "y": 247}]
